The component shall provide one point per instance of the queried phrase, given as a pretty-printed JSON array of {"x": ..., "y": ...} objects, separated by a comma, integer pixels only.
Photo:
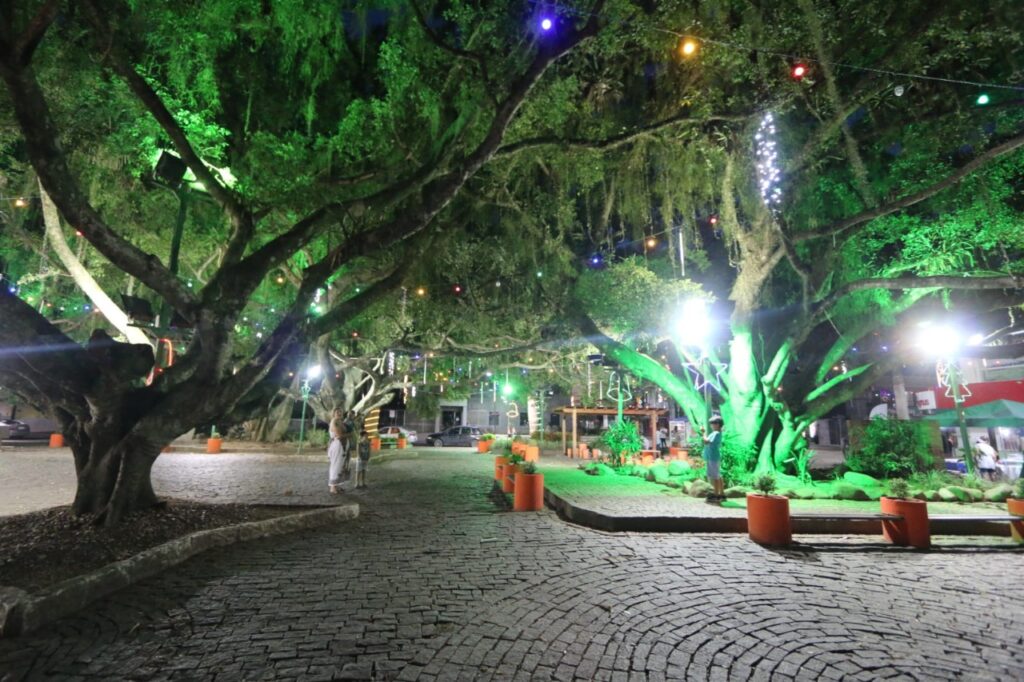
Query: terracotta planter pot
[
  {"x": 402, "y": 443},
  {"x": 768, "y": 519},
  {"x": 647, "y": 459},
  {"x": 529, "y": 492},
  {"x": 1015, "y": 506},
  {"x": 375, "y": 445},
  {"x": 913, "y": 529},
  {"x": 56, "y": 440},
  {"x": 499, "y": 463},
  {"x": 483, "y": 446},
  {"x": 508, "y": 481},
  {"x": 213, "y": 445},
  {"x": 532, "y": 453}
]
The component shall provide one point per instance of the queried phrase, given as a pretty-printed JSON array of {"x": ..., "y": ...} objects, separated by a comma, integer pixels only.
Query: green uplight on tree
[{"x": 507, "y": 390}]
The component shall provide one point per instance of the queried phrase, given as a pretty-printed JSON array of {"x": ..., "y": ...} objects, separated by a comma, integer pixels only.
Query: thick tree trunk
[{"x": 115, "y": 480}]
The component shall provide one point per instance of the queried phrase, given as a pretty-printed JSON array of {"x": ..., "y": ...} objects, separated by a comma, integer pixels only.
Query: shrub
[
  {"x": 620, "y": 440},
  {"x": 898, "y": 489},
  {"x": 530, "y": 468},
  {"x": 933, "y": 480},
  {"x": 1018, "y": 489},
  {"x": 487, "y": 436},
  {"x": 765, "y": 484},
  {"x": 891, "y": 447},
  {"x": 549, "y": 436},
  {"x": 318, "y": 438}
]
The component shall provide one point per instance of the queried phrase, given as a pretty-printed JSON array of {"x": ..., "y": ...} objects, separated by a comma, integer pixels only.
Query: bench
[
  {"x": 849, "y": 517},
  {"x": 947, "y": 518}
]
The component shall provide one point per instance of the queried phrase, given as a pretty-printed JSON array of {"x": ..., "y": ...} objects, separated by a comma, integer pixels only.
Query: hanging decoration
[{"x": 768, "y": 174}]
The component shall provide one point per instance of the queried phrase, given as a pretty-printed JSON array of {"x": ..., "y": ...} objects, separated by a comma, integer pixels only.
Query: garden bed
[{"x": 43, "y": 548}]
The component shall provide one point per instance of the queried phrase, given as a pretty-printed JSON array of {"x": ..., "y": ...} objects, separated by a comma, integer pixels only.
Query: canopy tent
[{"x": 991, "y": 414}]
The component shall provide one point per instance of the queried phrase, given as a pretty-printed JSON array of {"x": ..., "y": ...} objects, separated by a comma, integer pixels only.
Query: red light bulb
[{"x": 799, "y": 71}]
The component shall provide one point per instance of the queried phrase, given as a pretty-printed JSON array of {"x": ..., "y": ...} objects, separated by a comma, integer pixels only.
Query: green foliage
[
  {"x": 891, "y": 447},
  {"x": 621, "y": 440},
  {"x": 898, "y": 488},
  {"x": 514, "y": 458},
  {"x": 1018, "y": 488},
  {"x": 318, "y": 438},
  {"x": 487, "y": 436},
  {"x": 530, "y": 468},
  {"x": 764, "y": 484},
  {"x": 933, "y": 480}
]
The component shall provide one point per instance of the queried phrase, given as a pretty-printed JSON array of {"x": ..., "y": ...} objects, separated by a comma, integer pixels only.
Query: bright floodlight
[
  {"x": 313, "y": 372},
  {"x": 976, "y": 339},
  {"x": 940, "y": 342},
  {"x": 693, "y": 323},
  {"x": 546, "y": 24}
]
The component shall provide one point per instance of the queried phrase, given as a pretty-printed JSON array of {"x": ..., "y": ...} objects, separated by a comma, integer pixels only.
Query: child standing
[
  {"x": 713, "y": 458},
  {"x": 364, "y": 459}
]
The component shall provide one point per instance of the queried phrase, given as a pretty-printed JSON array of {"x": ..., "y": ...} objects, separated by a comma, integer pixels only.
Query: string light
[
  {"x": 767, "y": 162},
  {"x": 689, "y": 47},
  {"x": 799, "y": 71},
  {"x": 21, "y": 202},
  {"x": 983, "y": 99},
  {"x": 546, "y": 24},
  {"x": 420, "y": 291},
  {"x": 651, "y": 242}
]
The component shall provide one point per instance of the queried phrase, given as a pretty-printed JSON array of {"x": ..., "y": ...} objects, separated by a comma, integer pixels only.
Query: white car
[{"x": 389, "y": 432}]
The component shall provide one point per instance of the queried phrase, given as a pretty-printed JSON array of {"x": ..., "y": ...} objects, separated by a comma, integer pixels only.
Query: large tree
[
  {"x": 347, "y": 130},
  {"x": 876, "y": 207}
]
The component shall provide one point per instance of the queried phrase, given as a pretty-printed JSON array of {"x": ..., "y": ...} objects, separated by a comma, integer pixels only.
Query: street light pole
[{"x": 307, "y": 388}]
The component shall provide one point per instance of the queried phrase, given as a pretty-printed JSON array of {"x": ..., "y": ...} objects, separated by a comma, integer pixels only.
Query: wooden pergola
[{"x": 574, "y": 413}]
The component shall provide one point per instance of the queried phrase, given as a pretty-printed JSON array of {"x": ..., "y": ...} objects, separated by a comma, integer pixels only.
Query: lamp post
[
  {"x": 945, "y": 344},
  {"x": 692, "y": 329},
  {"x": 311, "y": 373}
]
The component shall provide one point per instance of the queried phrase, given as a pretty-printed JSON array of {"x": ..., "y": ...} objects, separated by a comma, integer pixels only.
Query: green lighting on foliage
[
  {"x": 507, "y": 390},
  {"x": 982, "y": 99}
]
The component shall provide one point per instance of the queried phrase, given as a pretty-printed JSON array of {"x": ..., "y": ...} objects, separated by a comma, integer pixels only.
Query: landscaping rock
[
  {"x": 788, "y": 492},
  {"x": 735, "y": 492},
  {"x": 861, "y": 480},
  {"x": 673, "y": 484},
  {"x": 805, "y": 493},
  {"x": 823, "y": 493},
  {"x": 846, "y": 491},
  {"x": 932, "y": 495},
  {"x": 600, "y": 470},
  {"x": 699, "y": 488},
  {"x": 976, "y": 495},
  {"x": 998, "y": 493},
  {"x": 658, "y": 474},
  {"x": 675, "y": 467},
  {"x": 947, "y": 495},
  {"x": 918, "y": 495}
]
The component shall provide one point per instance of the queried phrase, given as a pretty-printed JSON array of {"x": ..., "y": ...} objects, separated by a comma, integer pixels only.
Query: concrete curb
[
  {"x": 21, "y": 612},
  {"x": 738, "y": 524}
]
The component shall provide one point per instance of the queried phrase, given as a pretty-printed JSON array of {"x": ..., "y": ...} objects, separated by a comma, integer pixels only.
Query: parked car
[
  {"x": 455, "y": 435},
  {"x": 14, "y": 428},
  {"x": 394, "y": 432}
]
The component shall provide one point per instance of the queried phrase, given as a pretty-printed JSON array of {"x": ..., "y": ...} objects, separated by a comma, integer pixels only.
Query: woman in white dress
[{"x": 336, "y": 453}]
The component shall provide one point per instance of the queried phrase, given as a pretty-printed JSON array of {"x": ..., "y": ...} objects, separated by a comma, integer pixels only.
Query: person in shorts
[
  {"x": 363, "y": 460},
  {"x": 713, "y": 458},
  {"x": 986, "y": 458}
]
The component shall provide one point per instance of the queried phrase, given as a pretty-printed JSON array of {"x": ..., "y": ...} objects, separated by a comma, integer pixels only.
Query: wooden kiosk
[{"x": 568, "y": 413}]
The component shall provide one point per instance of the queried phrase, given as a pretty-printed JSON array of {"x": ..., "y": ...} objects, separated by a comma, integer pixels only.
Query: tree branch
[
  {"x": 34, "y": 32},
  {"x": 1014, "y": 282},
  {"x": 42, "y": 146},
  {"x": 615, "y": 140},
  {"x": 474, "y": 57},
  {"x": 867, "y": 216}
]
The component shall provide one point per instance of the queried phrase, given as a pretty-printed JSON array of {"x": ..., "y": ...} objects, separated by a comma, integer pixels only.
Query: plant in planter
[
  {"x": 768, "y": 514},
  {"x": 912, "y": 529},
  {"x": 529, "y": 489},
  {"x": 509, "y": 471},
  {"x": 1015, "y": 505},
  {"x": 214, "y": 442},
  {"x": 484, "y": 444},
  {"x": 621, "y": 440}
]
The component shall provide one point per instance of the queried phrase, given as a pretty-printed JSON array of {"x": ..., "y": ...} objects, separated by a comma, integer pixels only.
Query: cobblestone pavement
[
  {"x": 433, "y": 582},
  {"x": 39, "y": 478}
]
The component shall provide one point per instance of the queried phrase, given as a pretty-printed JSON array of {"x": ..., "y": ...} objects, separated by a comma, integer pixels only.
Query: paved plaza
[{"x": 433, "y": 581}]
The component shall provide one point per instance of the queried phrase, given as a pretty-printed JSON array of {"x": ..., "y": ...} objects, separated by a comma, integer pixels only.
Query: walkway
[{"x": 431, "y": 582}]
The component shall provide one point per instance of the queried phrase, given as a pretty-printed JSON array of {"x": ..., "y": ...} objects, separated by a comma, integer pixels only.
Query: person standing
[
  {"x": 335, "y": 453},
  {"x": 987, "y": 458},
  {"x": 713, "y": 458},
  {"x": 364, "y": 459}
]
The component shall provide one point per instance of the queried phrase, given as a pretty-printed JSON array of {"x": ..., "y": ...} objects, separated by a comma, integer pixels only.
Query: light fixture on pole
[{"x": 312, "y": 372}]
